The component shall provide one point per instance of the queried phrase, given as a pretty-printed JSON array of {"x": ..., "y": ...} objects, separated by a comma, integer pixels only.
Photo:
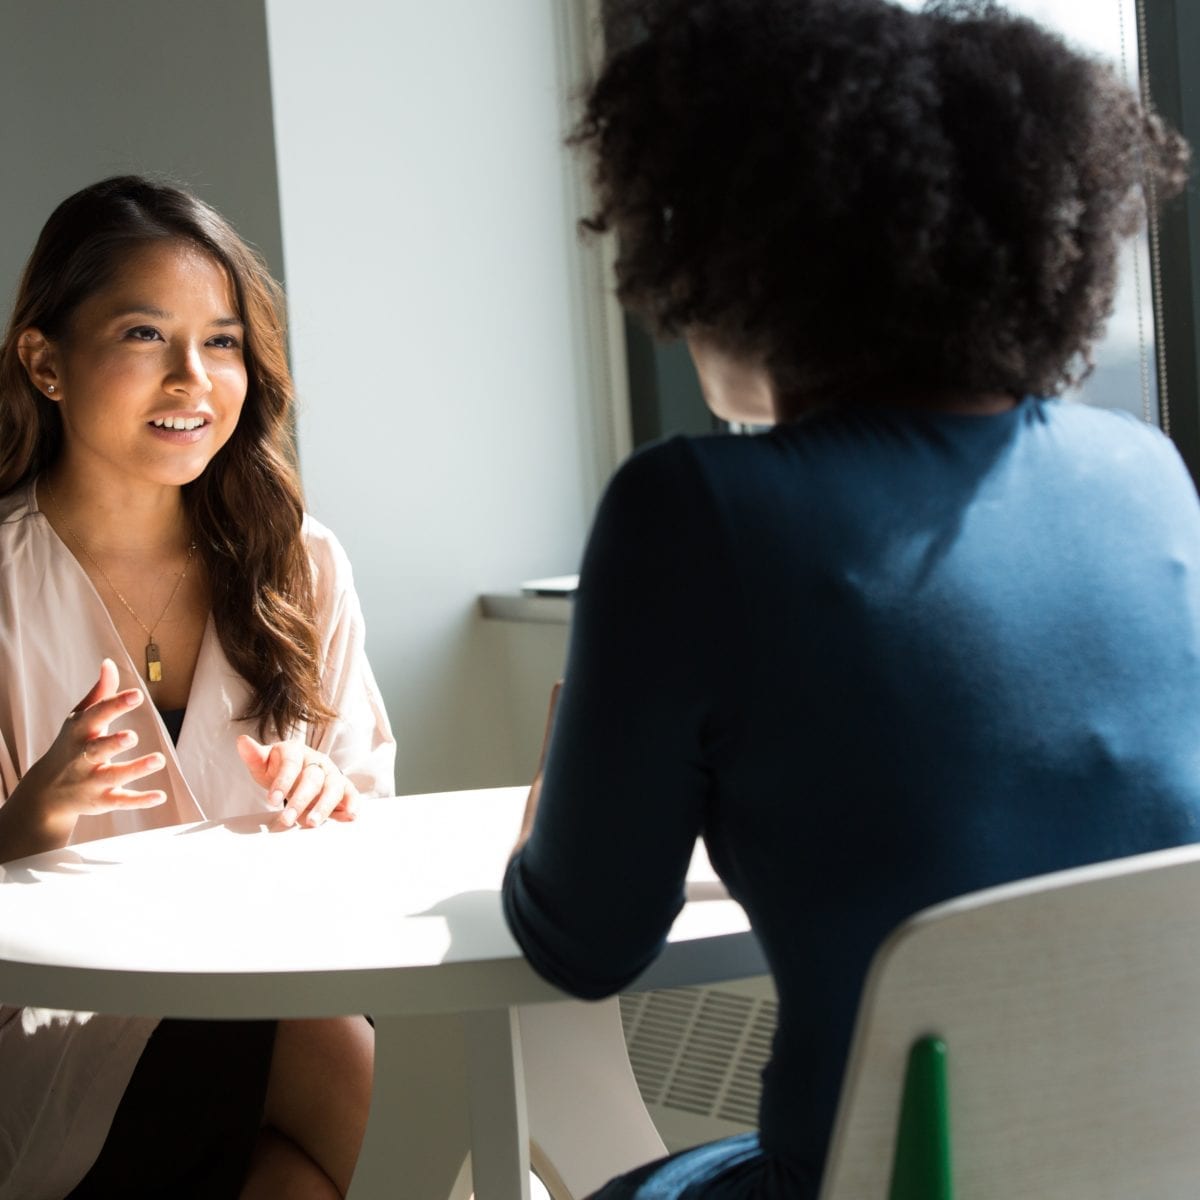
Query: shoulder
[
  {"x": 652, "y": 499},
  {"x": 1104, "y": 426},
  {"x": 332, "y": 573},
  {"x": 654, "y": 461},
  {"x": 15, "y": 506},
  {"x": 688, "y": 456},
  {"x": 322, "y": 542},
  {"x": 676, "y": 472},
  {"x": 20, "y": 525},
  {"x": 1115, "y": 441},
  {"x": 689, "y": 492},
  {"x": 661, "y": 516}
]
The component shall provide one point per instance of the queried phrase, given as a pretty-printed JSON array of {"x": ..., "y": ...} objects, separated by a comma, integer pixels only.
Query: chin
[{"x": 179, "y": 474}]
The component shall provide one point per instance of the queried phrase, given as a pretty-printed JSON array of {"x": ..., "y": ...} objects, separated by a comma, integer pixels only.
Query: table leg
[
  {"x": 499, "y": 1123},
  {"x": 417, "y": 1134},
  {"x": 587, "y": 1121},
  {"x": 452, "y": 1084}
]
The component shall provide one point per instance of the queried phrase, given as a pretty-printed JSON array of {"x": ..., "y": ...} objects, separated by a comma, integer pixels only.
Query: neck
[
  {"x": 735, "y": 389},
  {"x": 126, "y": 519}
]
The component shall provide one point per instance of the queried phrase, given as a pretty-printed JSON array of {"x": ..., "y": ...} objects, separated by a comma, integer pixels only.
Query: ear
[{"x": 37, "y": 355}]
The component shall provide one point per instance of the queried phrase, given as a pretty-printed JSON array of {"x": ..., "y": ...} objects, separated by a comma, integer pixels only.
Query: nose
[{"x": 187, "y": 375}]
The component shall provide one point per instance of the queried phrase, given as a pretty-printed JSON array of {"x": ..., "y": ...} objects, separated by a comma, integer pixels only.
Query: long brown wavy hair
[{"x": 246, "y": 509}]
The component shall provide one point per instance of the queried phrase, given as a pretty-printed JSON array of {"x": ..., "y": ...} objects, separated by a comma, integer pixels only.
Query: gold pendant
[{"x": 153, "y": 663}]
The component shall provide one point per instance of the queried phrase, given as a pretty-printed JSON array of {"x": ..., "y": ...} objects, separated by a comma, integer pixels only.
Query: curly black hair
[{"x": 866, "y": 199}]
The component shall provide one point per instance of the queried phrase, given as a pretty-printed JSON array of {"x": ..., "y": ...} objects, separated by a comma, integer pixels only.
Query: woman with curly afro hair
[{"x": 935, "y": 630}]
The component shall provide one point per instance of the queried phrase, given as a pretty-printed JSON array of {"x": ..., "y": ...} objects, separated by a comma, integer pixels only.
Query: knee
[
  {"x": 335, "y": 1053},
  {"x": 319, "y": 1094}
]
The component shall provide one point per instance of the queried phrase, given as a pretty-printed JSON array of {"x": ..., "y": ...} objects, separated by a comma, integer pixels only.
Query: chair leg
[{"x": 587, "y": 1121}]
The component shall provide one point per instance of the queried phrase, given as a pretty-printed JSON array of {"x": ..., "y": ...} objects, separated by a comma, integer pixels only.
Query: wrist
[{"x": 30, "y": 826}]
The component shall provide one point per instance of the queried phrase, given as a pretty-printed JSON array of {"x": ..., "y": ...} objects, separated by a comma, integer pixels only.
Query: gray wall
[{"x": 90, "y": 88}]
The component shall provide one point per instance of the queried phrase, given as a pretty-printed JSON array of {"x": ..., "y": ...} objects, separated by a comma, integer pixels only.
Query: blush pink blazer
[{"x": 64, "y": 1073}]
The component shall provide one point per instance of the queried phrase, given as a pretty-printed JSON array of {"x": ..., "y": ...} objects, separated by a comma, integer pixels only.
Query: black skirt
[{"x": 187, "y": 1124}]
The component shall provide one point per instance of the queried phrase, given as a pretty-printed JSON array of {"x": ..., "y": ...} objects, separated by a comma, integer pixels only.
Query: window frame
[{"x": 1169, "y": 44}]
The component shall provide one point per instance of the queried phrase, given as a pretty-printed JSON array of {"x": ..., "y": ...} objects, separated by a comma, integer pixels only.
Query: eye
[
  {"x": 225, "y": 341},
  {"x": 143, "y": 333}
]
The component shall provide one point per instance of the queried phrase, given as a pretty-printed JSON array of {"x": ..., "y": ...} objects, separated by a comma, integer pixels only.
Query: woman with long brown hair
[{"x": 156, "y": 559}]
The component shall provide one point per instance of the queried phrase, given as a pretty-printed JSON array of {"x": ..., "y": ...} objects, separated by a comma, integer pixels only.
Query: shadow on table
[
  {"x": 472, "y": 918},
  {"x": 63, "y": 862},
  {"x": 75, "y": 860},
  {"x": 255, "y": 822}
]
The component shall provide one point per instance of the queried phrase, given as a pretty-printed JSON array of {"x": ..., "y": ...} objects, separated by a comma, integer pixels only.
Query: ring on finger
[
  {"x": 87, "y": 758},
  {"x": 320, "y": 767}
]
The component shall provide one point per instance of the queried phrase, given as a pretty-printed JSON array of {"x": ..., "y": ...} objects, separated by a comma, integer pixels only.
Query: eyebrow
[{"x": 149, "y": 310}]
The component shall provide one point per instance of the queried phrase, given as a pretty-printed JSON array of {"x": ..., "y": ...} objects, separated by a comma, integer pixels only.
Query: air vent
[{"x": 700, "y": 1050}]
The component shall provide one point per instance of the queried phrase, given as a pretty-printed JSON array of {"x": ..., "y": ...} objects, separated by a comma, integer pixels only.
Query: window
[{"x": 1125, "y": 375}]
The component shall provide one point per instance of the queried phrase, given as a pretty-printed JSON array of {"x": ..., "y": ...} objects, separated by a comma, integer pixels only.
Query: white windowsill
[{"x": 518, "y": 606}]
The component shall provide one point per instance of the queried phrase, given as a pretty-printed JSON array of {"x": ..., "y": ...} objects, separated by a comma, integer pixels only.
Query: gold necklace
[{"x": 154, "y": 671}]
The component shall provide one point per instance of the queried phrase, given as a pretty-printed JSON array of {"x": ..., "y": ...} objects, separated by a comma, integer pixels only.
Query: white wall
[
  {"x": 91, "y": 88},
  {"x": 433, "y": 283}
]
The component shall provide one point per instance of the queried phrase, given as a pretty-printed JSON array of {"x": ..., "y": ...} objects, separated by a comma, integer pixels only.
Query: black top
[
  {"x": 876, "y": 659},
  {"x": 172, "y": 718}
]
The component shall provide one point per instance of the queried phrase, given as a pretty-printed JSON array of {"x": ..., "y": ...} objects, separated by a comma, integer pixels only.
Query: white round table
[{"x": 398, "y": 915}]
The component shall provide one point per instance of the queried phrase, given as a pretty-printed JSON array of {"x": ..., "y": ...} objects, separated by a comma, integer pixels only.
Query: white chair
[{"x": 1069, "y": 1011}]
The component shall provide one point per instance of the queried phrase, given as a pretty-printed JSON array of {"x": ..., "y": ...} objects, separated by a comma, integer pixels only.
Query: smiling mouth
[{"x": 179, "y": 422}]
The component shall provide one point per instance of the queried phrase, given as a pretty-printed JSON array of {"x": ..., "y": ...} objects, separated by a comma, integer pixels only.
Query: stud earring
[{"x": 50, "y": 387}]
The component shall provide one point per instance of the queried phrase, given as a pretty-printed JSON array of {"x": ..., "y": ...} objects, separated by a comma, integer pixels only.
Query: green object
[{"x": 921, "y": 1169}]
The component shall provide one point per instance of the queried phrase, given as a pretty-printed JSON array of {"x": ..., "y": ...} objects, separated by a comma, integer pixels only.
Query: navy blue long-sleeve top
[{"x": 876, "y": 659}]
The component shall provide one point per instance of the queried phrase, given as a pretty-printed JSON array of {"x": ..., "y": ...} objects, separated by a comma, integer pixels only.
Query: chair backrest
[{"x": 1069, "y": 1005}]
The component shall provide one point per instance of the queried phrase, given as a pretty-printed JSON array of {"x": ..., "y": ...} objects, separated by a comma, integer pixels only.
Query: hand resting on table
[{"x": 302, "y": 782}]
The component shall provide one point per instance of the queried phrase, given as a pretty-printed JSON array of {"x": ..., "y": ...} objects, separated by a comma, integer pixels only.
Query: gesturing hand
[
  {"x": 301, "y": 780},
  {"x": 76, "y": 776}
]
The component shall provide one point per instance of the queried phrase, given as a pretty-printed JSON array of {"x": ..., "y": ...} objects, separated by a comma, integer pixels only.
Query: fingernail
[
  {"x": 316, "y": 818},
  {"x": 287, "y": 817},
  {"x": 275, "y": 799}
]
